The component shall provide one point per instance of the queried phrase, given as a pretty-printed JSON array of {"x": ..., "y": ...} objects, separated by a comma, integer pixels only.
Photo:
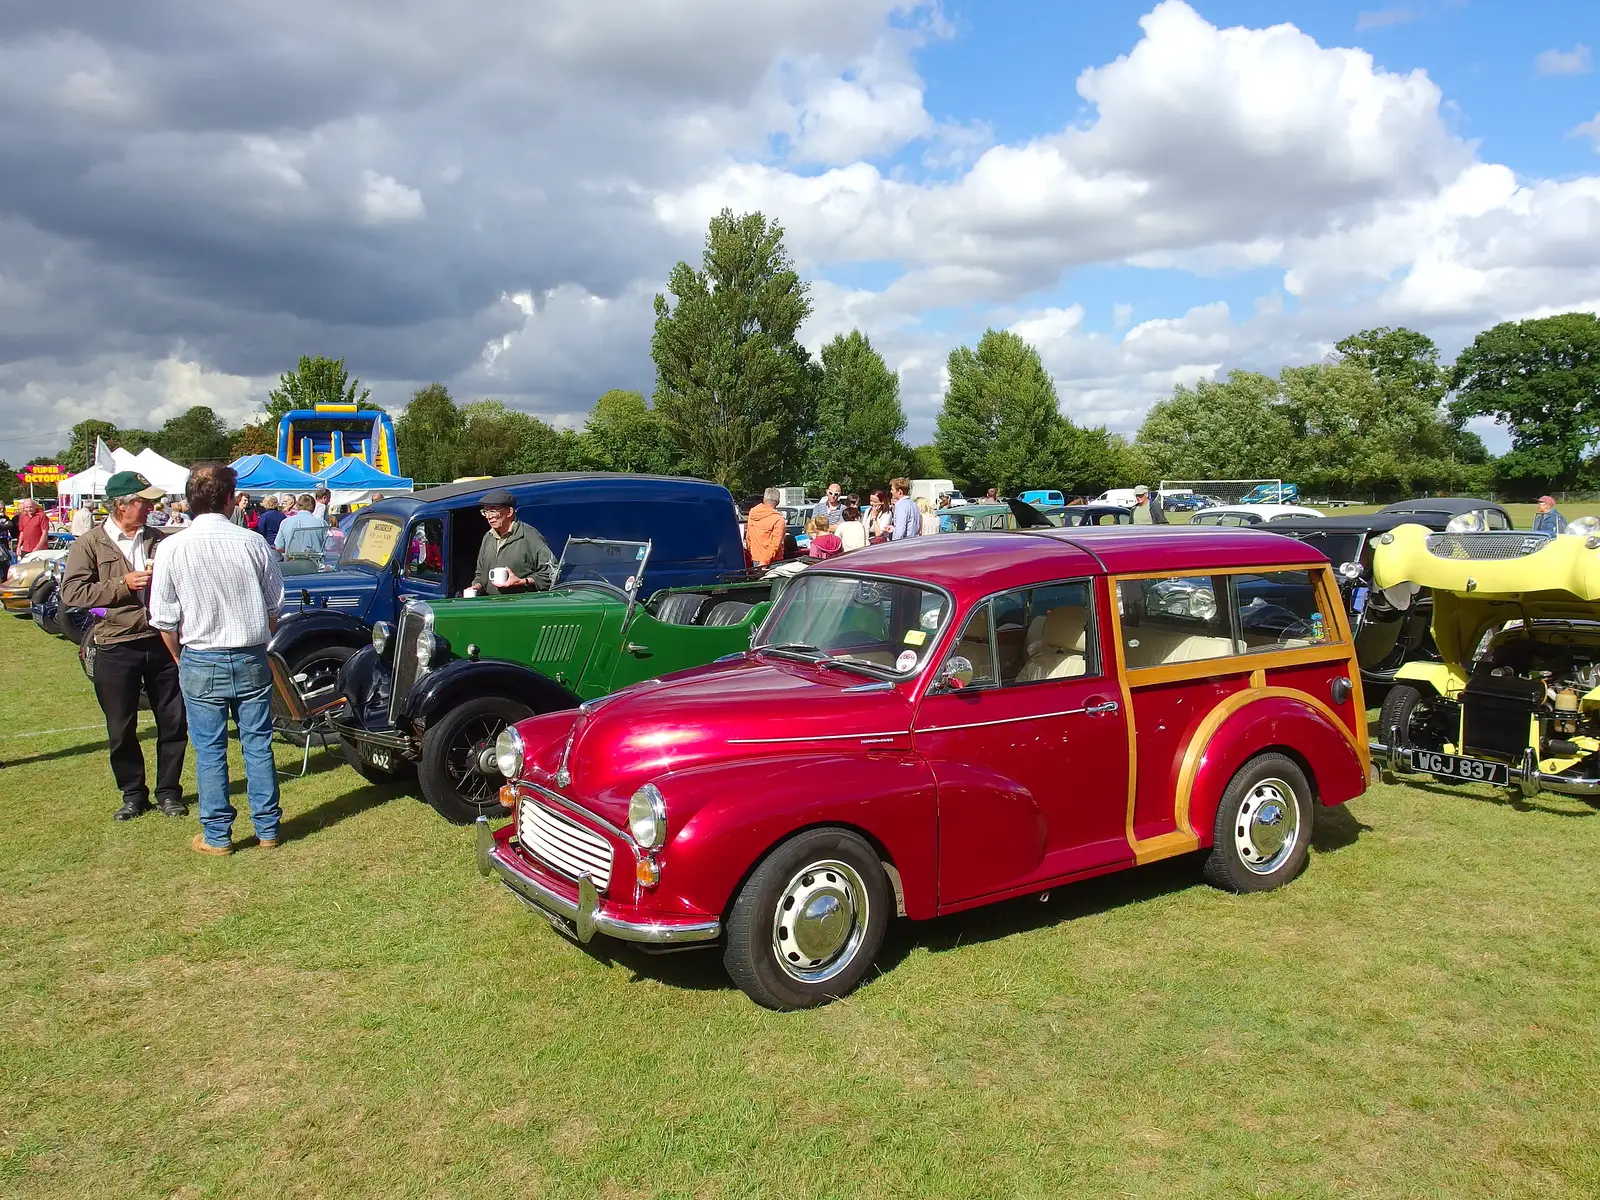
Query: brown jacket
[{"x": 93, "y": 579}]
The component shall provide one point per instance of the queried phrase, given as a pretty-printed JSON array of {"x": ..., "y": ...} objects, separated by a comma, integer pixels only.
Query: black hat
[{"x": 498, "y": 498}]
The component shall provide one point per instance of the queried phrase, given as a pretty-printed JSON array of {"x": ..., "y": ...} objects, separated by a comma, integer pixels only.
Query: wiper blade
[
  {"x": 821, "y": 658},
  {"x": 802, "y": 649}
]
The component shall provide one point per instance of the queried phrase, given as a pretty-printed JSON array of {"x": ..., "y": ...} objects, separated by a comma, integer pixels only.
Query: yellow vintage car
[
  {"x": 1514, "y": 698},
  {"x": 22, "y": 576}
]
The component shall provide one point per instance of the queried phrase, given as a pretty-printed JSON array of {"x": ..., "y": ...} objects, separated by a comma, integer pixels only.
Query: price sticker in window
[{"x": 914, "y": 637}]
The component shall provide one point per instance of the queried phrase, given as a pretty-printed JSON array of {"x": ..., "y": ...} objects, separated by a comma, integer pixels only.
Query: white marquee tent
[{"x": 165, "y": 474}]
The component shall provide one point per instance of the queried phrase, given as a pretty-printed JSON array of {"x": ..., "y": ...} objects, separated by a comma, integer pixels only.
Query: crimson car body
[{"x": 1108, "y": 748}]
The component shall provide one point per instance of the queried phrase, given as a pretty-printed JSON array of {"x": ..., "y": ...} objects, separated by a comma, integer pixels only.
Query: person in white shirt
[
  {"x": 852, "y": 529},
  {"x": 215, "y": 596},
  {"x": 322, "y": 497}
]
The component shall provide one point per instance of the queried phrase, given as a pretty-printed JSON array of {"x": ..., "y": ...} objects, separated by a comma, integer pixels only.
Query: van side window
[
  {"x": 1175, "y": 619},
  {"x": 1279, "y": 611}
]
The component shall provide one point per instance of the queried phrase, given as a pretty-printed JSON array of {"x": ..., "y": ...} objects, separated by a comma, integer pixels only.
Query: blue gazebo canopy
[
  {"x": 263, "y": 473},
  {"x": 356, "y": 474}
]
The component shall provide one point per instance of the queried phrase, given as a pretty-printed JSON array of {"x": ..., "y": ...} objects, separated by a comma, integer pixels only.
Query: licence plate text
[{"x": 1451, "y": 766}]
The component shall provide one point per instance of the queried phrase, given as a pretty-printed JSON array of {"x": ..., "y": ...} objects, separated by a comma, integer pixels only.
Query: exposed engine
[{"x": 1521, "y": 680}]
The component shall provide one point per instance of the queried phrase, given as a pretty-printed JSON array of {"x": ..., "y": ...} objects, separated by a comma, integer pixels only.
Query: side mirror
[{"x": 955, "y": 674}]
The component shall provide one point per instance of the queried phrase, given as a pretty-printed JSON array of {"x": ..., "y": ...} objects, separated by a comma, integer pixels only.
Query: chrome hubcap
[
  {"x": 819, "y": 920},
  {"x": 1268, "y": 826}
]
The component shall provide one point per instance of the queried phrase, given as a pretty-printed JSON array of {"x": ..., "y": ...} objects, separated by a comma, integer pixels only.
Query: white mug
[
  {"x": 469, "y": 593},
  {"x": 500, "y": 576}
]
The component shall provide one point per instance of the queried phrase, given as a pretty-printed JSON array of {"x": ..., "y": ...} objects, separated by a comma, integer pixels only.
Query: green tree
[
  {"x": 10, "y": 485},
  {"x": 1001, "y": 424},
  {"x": 315, "y": 381},
  {"x": 925, "y": 463},
  {"x": 859, "y": 419},
  {"x": 1541, "y": 379},
  {"x": 1232, "y": 429},
  {"x": 195, "y": 436},
  {"x": 623, "y": 433},
  {"x": 733, "y": 385},
  {"x": 257, "y": 437},
  {"x": 135, "y": 440},
  {"x": 79, "y": 453},
  {"x": 1088, "y": 461},
  {"x": 428, "y": 435},
  {"x": 1403, "y": 361}
]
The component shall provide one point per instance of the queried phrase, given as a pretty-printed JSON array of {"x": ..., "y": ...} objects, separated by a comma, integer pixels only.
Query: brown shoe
[
  {"x": 201, "y": 846},
  {"x": 268, "y": 843}
]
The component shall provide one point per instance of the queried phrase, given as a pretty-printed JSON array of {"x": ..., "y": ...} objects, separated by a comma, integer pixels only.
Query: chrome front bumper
[
  {"x": 1525, "y": 775},
  {"x": 389, "y": 739},
  {"x": 585, "y": 917}
]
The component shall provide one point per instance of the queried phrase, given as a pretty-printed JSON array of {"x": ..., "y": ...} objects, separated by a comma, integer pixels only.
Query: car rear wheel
[
  {"x": 808, "y": 923},
  {"x": 372, "y": 772},
  {"x": 1399, "y": 712},
  {"x": 458, "y": 772},
  {"x": 1263, "y": 829}
]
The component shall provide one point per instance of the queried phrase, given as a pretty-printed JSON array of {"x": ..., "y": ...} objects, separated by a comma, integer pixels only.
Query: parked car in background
[
  {"x": 1075, "y": 515},
  {"x": 1468, "y": 513},
  {"x": 941, "y": 723},
  {"x": 425, "y": 546},
  {"x": 1250, "y": 514},
  {"x": 931, "y": 489},
  {"x": 1513, "y": 700},
  {"x": 1272, "y": 493},
  {"x": 1043, "y": 498},
  {"x": 1188, "y": 502},
  {"x": 15, "y": 592},
  {"x": 431, "y": 693}
]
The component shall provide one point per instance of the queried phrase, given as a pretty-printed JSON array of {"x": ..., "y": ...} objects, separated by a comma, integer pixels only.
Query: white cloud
[
  {"x": 1383, "y": 18},
  {"x": 385, "y": 199},
  {"x": 1565, "y": 62},
  {"x": 1590, "y": 130}
]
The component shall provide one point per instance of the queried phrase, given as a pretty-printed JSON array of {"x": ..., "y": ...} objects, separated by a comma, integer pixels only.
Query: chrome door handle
[
  {"x": 1109, "y": 706},
  {"x": 636, "y": 648}
]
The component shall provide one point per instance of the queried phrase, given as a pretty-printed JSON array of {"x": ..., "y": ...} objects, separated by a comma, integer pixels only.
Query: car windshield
[
  {"x": 371, "y": 543},
  {"x": 595, "y": 560},
  {"x": 886, "y": 627}
]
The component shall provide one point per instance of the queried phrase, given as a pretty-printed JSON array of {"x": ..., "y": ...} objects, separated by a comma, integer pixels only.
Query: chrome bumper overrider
[
  {"x": 584, "y": 917},
  {"x": 1525, "y": 774}
]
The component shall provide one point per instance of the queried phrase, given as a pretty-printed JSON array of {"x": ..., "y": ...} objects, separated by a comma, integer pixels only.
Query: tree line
[{"x": 739, "y": 400}]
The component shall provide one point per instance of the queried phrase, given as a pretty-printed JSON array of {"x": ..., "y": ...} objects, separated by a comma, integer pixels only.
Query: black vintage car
[{"x": 1391, "y": 625}]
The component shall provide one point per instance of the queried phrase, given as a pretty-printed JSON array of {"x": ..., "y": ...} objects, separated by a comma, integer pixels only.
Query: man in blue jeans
[{"x": 216, "y": 592}]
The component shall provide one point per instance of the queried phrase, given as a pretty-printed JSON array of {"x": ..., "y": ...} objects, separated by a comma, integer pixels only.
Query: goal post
[{"x": 1225, "y": 491}]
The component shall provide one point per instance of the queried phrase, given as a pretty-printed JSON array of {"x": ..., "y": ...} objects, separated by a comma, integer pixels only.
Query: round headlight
[
  {"x": 1203, "y": 604},
  {"x": 647, "y": 818},
  {"x": 508, "y": 752},
  {"x": 380, "y": 636},
  {"x": 427, "y": 647}
]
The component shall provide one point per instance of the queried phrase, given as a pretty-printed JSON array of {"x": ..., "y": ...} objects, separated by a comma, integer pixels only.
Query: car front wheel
[
  {"x": 458, "y": 772},
  {"x": 808, "y": 923},
  {"x": 1263, "y": 829}
]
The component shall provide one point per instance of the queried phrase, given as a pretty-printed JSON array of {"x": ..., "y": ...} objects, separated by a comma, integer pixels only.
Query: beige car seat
[
  {"x": 1058, "y": 652},
  {"x": 1143, "y": 646}
]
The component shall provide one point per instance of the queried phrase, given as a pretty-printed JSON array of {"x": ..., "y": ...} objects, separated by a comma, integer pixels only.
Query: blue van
[
  {"x": 1043, "y": 498},
  {"x": 1272, "y": 493},
  {"x": 425, "y": 547}
]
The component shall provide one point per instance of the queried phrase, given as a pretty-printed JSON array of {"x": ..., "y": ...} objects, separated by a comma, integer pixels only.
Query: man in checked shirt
[{"x": 216, "y": 593}]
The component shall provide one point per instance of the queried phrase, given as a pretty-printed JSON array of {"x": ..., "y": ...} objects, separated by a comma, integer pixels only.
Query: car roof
[
  {"x": 1378, "y": 522},
  {"x": 1453, "y": 505},
  {"x": 406, "y": 505},
  {"x": 980, "y": 563}
]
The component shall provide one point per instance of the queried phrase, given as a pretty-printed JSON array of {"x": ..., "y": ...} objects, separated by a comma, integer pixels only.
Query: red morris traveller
[{"x": 936, "y": 724}]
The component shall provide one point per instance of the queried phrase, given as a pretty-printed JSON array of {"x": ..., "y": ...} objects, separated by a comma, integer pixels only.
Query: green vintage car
[{"x": 431, "y": 694}]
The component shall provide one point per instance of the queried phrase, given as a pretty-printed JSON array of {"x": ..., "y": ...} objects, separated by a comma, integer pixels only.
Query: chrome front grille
[
  {"x": 562, "y": 844},
  {"x": 1498, "y": 544},
  {"x": 403, "y": 662}
]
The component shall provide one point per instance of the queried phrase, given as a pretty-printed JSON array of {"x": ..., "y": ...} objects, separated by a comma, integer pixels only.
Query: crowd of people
[{"x": 839, "y": 524}]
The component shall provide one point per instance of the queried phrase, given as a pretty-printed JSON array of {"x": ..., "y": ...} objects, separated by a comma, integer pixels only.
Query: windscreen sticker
[
  {"x": 628, "y": 587},
  {"x": 642, "y": 551},
  {"x": 906, "y": 661},
  {"x": 914, "y": 637},
  {"x": 930, "y": 619}
]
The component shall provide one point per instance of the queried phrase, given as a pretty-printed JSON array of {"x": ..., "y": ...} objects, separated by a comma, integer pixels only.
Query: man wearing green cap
[{"x": 109, "y": 568}]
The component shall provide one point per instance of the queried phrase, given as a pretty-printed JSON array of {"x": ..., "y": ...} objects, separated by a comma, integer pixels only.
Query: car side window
[
  {"x": 1497, "y": 519},
  {"x": 1045, "y": 633},
  {"x": 425, "y": 551},
  {"x": 1175, "y": 619},
  {"x": 1279, "y": 610}
]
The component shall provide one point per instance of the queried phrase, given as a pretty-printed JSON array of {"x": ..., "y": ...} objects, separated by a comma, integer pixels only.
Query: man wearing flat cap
[
  {"x": 109, "y": 568},
  {"x": 512, "y": 551}
]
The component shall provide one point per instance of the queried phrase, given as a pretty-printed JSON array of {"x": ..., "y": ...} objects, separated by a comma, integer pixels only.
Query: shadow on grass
[
  {"x": 1544, "y": 802},
  {"x": 331, "y": 812},
  {"x": 1335, "y": 828},
  {"x": 51, "y": 755}
]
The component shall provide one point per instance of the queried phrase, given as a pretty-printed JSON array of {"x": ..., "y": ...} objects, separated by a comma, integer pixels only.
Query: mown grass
[{"x": 360, "y": 1014}]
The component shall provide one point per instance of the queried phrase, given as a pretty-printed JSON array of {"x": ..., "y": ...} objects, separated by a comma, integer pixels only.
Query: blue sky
[{"x": 490, "y": 197}]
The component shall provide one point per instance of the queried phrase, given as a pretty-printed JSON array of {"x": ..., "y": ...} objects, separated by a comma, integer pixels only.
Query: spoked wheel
[
  {"x": 808, "y": 923},
  {"x": 458, "y": 773},
  {"x": 1263, "y": 828},
  {"x": 317, "y": 670}
]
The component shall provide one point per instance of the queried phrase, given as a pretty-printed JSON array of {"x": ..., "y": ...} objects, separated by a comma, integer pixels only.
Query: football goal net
[{"x": 1226, "y": 491}]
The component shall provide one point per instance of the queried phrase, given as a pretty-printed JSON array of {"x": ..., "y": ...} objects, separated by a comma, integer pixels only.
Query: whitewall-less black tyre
[
  {"x": 1263, "y": 829},
  {"x": 808, "y": 923}
]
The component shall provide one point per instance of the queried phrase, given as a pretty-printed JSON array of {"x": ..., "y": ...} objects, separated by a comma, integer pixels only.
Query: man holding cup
[{"x": 513, "y": 557}]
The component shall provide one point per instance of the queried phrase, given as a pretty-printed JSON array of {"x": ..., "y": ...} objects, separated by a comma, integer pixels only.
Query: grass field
[{"x": 360, "y": 1014}]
